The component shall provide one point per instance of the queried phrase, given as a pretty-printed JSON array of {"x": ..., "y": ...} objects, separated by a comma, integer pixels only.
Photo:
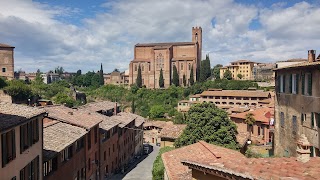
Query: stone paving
[{"x": 141, "y": 170}]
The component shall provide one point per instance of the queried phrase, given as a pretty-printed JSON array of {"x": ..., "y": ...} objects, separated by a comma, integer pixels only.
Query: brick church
[{"x": 152, "y": 57}]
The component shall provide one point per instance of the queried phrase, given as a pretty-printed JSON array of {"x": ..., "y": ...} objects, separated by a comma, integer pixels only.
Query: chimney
[
  {"x": 115, "y": 108},
  {"x": 303, "y": 149},
  {"x": 311, "y": 56}
]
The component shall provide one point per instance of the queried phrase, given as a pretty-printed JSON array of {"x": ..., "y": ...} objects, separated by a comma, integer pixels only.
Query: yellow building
[{"x": 243, "y": 67}]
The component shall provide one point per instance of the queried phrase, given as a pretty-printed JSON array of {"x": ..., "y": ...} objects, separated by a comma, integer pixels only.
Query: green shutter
[
  {"x": 29, "y": 134},
  {"x": 13, "y": 144},
  {"x": 21, "y": 139},
  {"x": 312, "y": 119},
  {"x": 318, "y": 120},
  {"x": 284, "y": 83},
  {"x": 297, "y": 83},
  {"x": 302, "y": 83},
  {"x": 290, "y": 84},
  {"x": 278, "y": 84},
  {"x": 310, "y": 84},
  {"x": 4, "y": 149},
  {"x": 37, "y": 130},
  {"x": 302, "y": 118}
]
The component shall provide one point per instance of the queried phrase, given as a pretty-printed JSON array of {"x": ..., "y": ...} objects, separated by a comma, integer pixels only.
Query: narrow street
[{"x": 141, "y": 170}]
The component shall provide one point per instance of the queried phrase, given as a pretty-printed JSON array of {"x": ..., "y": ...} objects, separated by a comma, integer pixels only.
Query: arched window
[
  {"x": 181, "y": 66},
  {"x": 160, "y": 62},
  {"x": 135, "y": 67},
  {"x": 189, "y": 66},
  {"x": 142, "y": 67},
  {"x": 196, "y": 36}
]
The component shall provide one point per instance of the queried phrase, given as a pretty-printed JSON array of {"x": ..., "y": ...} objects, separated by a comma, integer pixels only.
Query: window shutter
[
  {"x": 290, "y": 84},
  {"x": 318, "y": 120},
  {"x": 302, "y": 119},
  {"x": 302, "y": 83},
  {"x": 297, "y": 83},
  {"x": 13, "y": 144},
  {"x": 4, "y": 149},
  {"x": 284, "y": 83},
  {"x": 278, "y": 84},
  {"x": 21, "y": 139},
  {"x": 312, "y": 119},
  {"x": 310, "y": 84},
  {"x": 29, "y": 134},
  {"x": 37, "y": 130}
]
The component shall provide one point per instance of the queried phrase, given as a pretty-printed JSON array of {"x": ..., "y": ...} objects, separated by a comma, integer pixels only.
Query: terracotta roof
[
  {"x": 164, "y": 44},
  {"x": 58, "y": 136},
  {"x": 242, "y": 60},
  {"x": 5, "y": 45},
  {"x": 139, "y": 120},
  {"x": 239, "y": 109},
  {"x": 108, "y": 123},
  {"x": 123, "y": 120},
  {"x": 294, "y": 60},
  {"x": 232, "y": 162},
  {"x": 236, "y": 93},
  {"x": 299, "y": 65},
  {"x": 195, "y": 96},
  {"x": 12, "y": 115},
  {"x": 81, "y": 117},
  {"x": 159, "y": 124},
  {"x": 260, "y": 114},
  {"x": 99, "y": 106},
  {"x": 172, "y": 131}
]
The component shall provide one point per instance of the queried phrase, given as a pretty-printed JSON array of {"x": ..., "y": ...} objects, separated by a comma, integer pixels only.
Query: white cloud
[{"x": 44, "y": 40}]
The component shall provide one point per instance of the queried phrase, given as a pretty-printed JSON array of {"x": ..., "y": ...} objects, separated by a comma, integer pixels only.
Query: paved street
[{"x": 141, "y": 170}]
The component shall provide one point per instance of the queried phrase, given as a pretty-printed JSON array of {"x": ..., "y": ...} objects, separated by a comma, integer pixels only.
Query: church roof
[{"x": 164, "y": 44}]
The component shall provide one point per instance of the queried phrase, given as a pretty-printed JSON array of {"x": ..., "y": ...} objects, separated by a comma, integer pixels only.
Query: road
[{"x": 142, "y": 170}]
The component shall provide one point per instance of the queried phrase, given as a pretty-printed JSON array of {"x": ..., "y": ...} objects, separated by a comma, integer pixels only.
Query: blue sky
[{"x": 81, "y": 34}]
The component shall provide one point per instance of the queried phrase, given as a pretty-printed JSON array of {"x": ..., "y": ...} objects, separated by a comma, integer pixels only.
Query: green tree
[
  {"x": 157, "y": 111},
  {"x": 133, "y": 107},
  {"x": 202, "y": 76},
  {"x": 87, "y": 79},
  {"x": 208, "y": 123},
  {"x": 216, "y": 71},
  {"x": 139, "y": 78},
  {"x": 95, "y": 80},
  {"x": 161, "y": 80},
  {"x": 207, "y": 67},
  {"x": 78, "y": 72},
  {"x": 239, "y": 76},
  {"x": 101, "y": 76},
  {"x": 191, "y": 77},
  {"x": 18, "y": 90},
  {"x": 175, "y": 76},
  {"x": 158, "y": 167},
  {"x": 184, "y": 80},
  {"x": 3, "y": 83},
  {"x": 250, "y": 120},
  {"x": 62, "y": 98},
  {"x": 227, "y": 74},
  {"x": 59, "y": 70}
]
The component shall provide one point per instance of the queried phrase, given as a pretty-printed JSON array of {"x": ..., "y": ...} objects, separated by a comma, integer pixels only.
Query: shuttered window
[
  {"x": 297, "y": 83},
  {"x": 312, "y": 119},
  {"x": 29, "y": 134},
  {"x": 302, "y": 83},
  {"x": 8, "y": 147},
  {"x": 291, "y": 83},
  {"x": 31, "y": 170},
  {"x": 310, "y": 84}
]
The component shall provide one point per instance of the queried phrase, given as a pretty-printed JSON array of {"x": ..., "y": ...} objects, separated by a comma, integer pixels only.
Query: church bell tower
[{"x": 197, "y": 38}]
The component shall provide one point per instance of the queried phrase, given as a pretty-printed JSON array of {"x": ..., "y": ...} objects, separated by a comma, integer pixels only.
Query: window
[
  {"x": 29, "y": 134},
  {"x": 8, "y": 147},
  {"x": 89, "y": 164},
  {"x": 135, "y": 67},
  {"x": 318, "y": 119},
  {"x": 4, "y": 70},
  {"x": 282, "y": 119},
  {"x": 142, "y": 67},
  {"x": 294, "y": 125},
  {"x": 189, "y": 66},
  {"x": 66, "y": 154},
  {"x": 89, "y": 140},
  {"x": 282, "y": 83},
  {"x": 312, "y": 120},
  {"x": 306, "y": 84},
  {"x": 294, "y": 83},
  {"x": 50, "y": 166},
  {"x": 160, "y": 61},
  {"x": 303, "y": 118},
  {"x": 181, "y": 66},
  {"x": 112, "y": 147},
  {"x": 30, "y": 171},
  {"x": 79, "y": 144}
]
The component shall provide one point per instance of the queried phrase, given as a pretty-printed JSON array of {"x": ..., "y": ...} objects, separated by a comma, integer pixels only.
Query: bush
[{"x": 158, "y": 167}]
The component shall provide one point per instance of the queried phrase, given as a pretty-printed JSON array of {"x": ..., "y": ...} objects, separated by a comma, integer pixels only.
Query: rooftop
[
  {"x": 172, "y": 131},
  {"x": 294, "y": 60},
  {"x": 81, "y": 118},
  {"x": 195, "y": 96},
  {"x": 159, "y": 124},
  {"x": 58, "y": 136},
  {"x": 99, "y": 106},
  {"x": 242, "y": 60},
  {"x": 164, "y": 44},
  {"x": 139, "y": 120},
  {"x": 5, "y": 46},
  {"x": 232, "y": 162},
  {"x": 300, "y": 65},
  {"x": 260, "y": 114},
  {"x": 108, "y": 123},
  {"x": 12, "y": 115},
  {"x": 236, "y": 93}
]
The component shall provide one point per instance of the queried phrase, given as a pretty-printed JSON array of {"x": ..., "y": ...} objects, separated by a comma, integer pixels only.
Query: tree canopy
[
  {"x": 216, "y": 71},
  {"x": 139, "y": 78},
  {"x": 161, "y": 80},
  {"x": 191, "y": 77},
  {"x": 227, "y": 74},
  {"x": 175, "y": 76},
  {"x": 18, "y": 90},
  {"x": 205, "y": 69},
  {"x": 101, "y": 76},
  {"x": 208, "y": 123}
]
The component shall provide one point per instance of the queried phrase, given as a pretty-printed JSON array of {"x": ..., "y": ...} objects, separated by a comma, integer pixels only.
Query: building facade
[
  {"x": 263, "y": 71},
  {"x": 117, "y": 78},
  {"x": 297, "y": 106},
  {"x": 6, "y": 61},
  {"x": 21, "y": 142},
  {"x": 242, "y": 67},
  {"x": 153, "y": 57}
]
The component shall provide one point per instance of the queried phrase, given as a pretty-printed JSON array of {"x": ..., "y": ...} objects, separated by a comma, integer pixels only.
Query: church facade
[{"x": 152, "y": 57}]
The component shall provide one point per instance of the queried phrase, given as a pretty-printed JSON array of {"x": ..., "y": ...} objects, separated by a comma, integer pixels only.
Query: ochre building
[{"x": 152, "y": 57}]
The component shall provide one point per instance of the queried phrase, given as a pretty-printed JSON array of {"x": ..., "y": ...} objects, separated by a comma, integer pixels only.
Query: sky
[{"x": 82, "y": 34}]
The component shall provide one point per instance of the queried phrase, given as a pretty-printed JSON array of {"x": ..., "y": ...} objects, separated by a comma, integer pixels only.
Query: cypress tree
[
  {"x": 161, "y": 80},
  {"x": 202, "y": 77},
  {"x": 133, "y": 108},
  {"x": 175, "y": 76},
  {"x": 139, "y": 77},
  {"x": 101, "y": 76},
  {"x": 208, "y": 67},
  {"x": 191, "y": 77},
  {"x": 184, "y": 80}
]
